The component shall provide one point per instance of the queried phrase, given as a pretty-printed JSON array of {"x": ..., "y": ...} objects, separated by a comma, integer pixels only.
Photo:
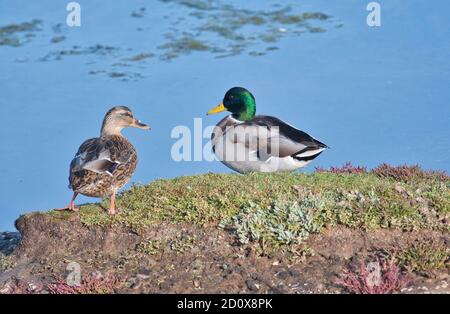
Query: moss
[
  {"x": 179, "y": 244},
  {"x": 425, "y": 256},
  {"x": 151, "y": 247},
  {"x": 182, "y": 243},
  {"x": 354, "y": 200}
]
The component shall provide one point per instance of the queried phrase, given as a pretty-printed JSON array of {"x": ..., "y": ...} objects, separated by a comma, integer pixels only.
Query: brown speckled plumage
[
  {"x": 124, "y": 161},
  {"x": 105, "y": 164}
]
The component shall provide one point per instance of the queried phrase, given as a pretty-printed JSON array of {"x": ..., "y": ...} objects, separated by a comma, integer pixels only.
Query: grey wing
[
  {"x": 272, "y": 137},
  {"x": 95, "y": 156}
]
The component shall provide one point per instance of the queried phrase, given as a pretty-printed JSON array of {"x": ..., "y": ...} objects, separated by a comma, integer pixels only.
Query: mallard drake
[
  {"x": 248, "y": 143},
  {"x": 105, "y": 164}
]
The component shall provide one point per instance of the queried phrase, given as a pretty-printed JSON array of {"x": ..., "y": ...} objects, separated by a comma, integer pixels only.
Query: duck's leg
[
  {"x": 112, "y": 206},
  {"x": 72, "y": 204}
]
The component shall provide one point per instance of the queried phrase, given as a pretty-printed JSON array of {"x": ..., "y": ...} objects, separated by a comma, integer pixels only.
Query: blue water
[{"x": 373, "y": 94}]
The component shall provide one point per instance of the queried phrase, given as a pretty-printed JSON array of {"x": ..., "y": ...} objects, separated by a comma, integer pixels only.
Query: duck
[
  {"x": 246, "y": 142},
  {"x": 103, "y": 165}
]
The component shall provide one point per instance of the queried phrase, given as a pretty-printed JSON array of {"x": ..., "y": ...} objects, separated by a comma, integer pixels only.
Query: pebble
[
  {"x": 143, "y": 273},
  {"x": 252, "y": 285},
  {"x": 137, "y": 285},
  {"x": 283, "y": 275},
  {"x": 142, "y": 276}
]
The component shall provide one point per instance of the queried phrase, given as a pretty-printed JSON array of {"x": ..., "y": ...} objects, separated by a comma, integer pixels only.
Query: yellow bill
[{"x": 217, "y": 109}]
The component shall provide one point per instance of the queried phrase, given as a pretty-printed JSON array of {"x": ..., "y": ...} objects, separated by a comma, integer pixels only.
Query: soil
[{"x": 194, "y": 259}]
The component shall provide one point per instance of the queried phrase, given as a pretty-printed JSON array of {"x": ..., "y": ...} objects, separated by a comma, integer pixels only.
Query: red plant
[
  {"x": 406, "y": 173},
  {"x": 92, "y": 284},
  {"x": 346, "y": 168},
  {"x": 374, "y": 278}
]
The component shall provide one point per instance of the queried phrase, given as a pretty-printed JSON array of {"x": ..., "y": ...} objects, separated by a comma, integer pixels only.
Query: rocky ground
[{"x": 242, "y": 252}]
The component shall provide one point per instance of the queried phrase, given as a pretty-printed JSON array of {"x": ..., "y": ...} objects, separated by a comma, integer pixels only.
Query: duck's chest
[
  {"x": 229, "y": 143},
  {"x": 124, "y": 153}
]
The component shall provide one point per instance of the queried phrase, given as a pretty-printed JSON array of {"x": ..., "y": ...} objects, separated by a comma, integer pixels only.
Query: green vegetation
[
  {"x": 182, "y": 243},
  {"x": 425, "y": 256},
  {"x": 183, "y": 45},
  {"x": 233, "y": 26},
  {"x": 140, "y": 57},
  {"x": 362, "y": 200},
  {"x": 10, "y": 34},
  {"x": 284, "y": 18},
  {"x": 5, "y": 262},
  {"x": 151, "y": 247},
  {"x": 179, "y": 244},
  {"x": 282, "y": 223}
]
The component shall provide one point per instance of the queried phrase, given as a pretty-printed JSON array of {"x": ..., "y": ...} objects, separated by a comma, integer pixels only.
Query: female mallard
[
  {"x": 245, "y": 142},
  {"x": 105, "y": 164}
]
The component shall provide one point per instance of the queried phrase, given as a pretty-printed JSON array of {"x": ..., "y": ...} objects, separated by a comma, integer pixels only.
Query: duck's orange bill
[{"x": 217, "y": 109}]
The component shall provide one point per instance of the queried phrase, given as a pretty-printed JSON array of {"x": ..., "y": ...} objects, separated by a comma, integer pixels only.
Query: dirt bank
[{"x": 338, "y": 232}]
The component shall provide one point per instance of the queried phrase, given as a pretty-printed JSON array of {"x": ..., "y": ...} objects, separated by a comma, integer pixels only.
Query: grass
[{"x": 362, "y": 200}]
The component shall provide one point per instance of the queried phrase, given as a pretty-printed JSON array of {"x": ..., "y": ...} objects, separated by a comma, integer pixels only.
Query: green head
[{"x": 240, "y": 102}]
